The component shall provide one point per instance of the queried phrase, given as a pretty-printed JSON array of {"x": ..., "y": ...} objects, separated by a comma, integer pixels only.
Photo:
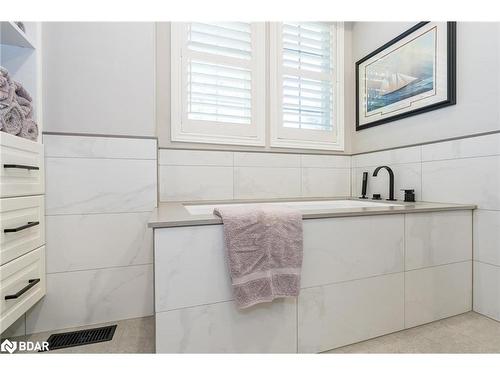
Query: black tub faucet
[{"x": 391, "y": 180}]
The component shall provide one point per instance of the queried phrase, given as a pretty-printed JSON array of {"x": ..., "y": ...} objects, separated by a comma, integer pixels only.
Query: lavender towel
[
  {"x": 264, "y": 251},
  {"x": 16, "y": 108},
  {"x": 12, "y": 119},
  {"x": 29, "y": 130}
]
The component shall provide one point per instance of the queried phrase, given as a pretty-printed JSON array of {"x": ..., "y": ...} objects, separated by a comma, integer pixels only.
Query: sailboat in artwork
[{"x": 394, "y": 82}]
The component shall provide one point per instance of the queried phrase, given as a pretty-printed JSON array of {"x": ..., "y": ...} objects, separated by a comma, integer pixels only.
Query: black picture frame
[{"x": 451, "y": 78}]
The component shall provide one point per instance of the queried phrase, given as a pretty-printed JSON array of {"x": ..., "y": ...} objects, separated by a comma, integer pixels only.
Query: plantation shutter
[
  {"x": 305, "y": 85},
  {"x": 222, "y": 86},
  {"x": 307, "y": 78},
  {"x": 219, "y": 83}
]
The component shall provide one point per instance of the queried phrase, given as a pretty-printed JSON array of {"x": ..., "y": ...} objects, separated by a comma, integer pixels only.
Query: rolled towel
[
  {"x": 11, "y": 119},
  {"x": 5, "y": 85},
  {"x": 4, "y": 73},
  {"x": 22, "y": 92},
  {"x": 29, "y": 130},
  {"x": 24, "y": 99},
  {"x": 25, "y": 106}
]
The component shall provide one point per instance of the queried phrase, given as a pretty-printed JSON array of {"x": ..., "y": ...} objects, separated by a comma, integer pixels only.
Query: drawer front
[
  {"x": 21, "y": 167},
  {"x": 19, "y": 231},
  {"x": 18, "y": 283}
]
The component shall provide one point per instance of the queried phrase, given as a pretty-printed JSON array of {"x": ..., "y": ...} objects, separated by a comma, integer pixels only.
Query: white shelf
[{"x": 12, "y": 35}]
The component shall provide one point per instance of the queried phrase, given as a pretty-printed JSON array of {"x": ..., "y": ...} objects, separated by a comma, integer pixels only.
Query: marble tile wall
[
  {"x": 99, "y": 195},
  {"x": 217, "y": 175},
  {"x": 459, "y": 171}
]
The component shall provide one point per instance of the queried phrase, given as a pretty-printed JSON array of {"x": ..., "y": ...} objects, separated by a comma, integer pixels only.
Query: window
[
  {"x": 219, "y": 89},
  {"x": 218, "y": 83},
  {"x": 306, "y": 81}
]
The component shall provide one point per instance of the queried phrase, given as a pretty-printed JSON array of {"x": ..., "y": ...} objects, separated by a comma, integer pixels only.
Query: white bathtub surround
[
  {"x": 335, "y": 315},
  {"x": 434, "y": 239},
  {"x": 222, "y": 328},
  {"x": 99, "y": 250},
  {"x": 348, "y": 294},
  {"x": 460, "y": 171},
  {"x": 337, "y": 248},
  {"x": 435, "y": 293},
  {"x": 217, "y": 175}
]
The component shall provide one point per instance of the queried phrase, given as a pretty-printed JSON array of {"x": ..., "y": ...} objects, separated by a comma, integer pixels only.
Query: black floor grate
[{"x": 83, "y": 337}]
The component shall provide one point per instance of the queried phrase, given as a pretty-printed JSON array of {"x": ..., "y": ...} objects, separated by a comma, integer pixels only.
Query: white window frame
[
  {"x": 188, "y": 130},
  {"x": 302, "y": 138}
]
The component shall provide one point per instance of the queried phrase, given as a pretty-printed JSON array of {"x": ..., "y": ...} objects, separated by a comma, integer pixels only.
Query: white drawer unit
[
  {"x": 22, "y": 284},
  {"x": 21, "y": 167},
  {"x": 22, "y": 226}
]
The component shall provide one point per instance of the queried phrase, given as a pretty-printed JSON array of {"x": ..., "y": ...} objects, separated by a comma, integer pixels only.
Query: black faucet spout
[{"x": 391, "y": 180}]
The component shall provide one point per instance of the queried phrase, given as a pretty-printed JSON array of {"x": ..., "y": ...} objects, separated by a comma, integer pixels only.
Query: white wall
[
  {"x": 459, "y": 171},
  {"x": 99, "y": 78},
  {"x": 100, "y": 190},
  {"x": 478, "y": 88},
  {"x": 99, "y": 195}
]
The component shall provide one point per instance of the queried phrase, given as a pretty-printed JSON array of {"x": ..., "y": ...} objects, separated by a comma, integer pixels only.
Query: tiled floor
[
  {"x": 466, "y": 333},
  {"x": 131, "y": 336}
]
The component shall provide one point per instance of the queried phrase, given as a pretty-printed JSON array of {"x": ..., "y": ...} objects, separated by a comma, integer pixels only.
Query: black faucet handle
[{"x": 409, "y": 195}]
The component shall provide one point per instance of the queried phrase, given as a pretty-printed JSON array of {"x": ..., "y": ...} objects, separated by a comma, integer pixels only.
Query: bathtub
[
  {"x": 369, "y": 269},
  {"x": 205, "y": 209}
]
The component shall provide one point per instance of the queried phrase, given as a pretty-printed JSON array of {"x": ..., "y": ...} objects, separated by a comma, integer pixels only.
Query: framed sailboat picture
[{"x": 412, "y": 74}]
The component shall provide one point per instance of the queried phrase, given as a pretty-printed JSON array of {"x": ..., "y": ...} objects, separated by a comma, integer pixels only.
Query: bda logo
[{"x": 8, "y": 346}]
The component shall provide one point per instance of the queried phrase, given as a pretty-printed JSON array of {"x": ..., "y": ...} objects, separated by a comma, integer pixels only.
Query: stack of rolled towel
[{"x": 16, "y": 108}]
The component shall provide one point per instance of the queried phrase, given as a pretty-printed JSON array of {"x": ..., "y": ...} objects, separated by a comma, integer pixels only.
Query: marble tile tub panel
[
  {"x": 223, "y": 328},
  {"x": 193, "y": 267},
  {"x": 351, "y": 248},
  {"x": 437, "y": 292},
  {"x": 437, "y": 238},
  {"x": 340, "y": 314}
]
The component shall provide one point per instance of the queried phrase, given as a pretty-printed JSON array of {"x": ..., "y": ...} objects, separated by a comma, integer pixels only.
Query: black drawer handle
[
  {"x": 31, "y": 284},
  {"x": 25, "y": 226},
  {"x": 19, "y": 166}
]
